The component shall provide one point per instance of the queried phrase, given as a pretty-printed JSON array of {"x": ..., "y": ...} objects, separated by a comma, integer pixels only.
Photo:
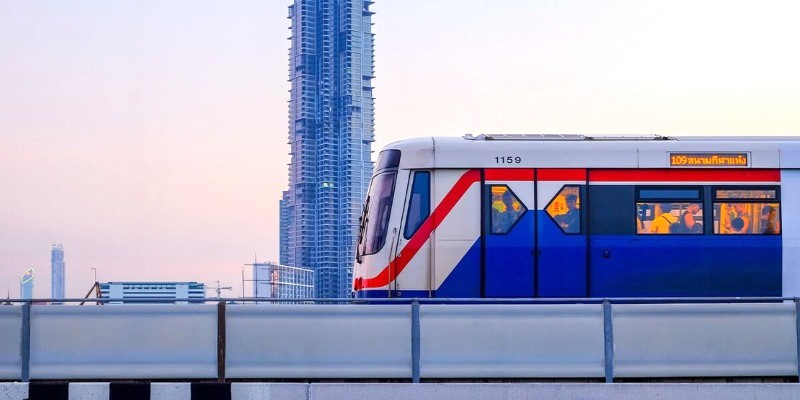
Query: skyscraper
[
  {"x": 331, "y": 129},
  {"x": 26, "y": 285},
  {"x": 57, "y": 271}
]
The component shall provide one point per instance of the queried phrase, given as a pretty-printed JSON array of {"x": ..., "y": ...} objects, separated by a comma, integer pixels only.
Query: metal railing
[{"x": 608, "y": 307}]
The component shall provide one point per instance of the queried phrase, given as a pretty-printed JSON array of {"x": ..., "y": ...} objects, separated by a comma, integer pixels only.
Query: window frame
[
  {"x": 488, "y": 209},
  {"x": 413, "y": 179},
  {"x": 580, "y": 217},
  {"x": 715, "y": 200},
  {"x": 700, "y": 199},
  {"x": 391, "y": 204}
]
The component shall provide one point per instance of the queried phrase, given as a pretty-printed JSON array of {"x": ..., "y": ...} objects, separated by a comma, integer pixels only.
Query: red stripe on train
[
  {"x": 562, "y": 174},
  {"x": 508, "y": 174},
  {"x": 551, "y": 174},
  {"x": 685, "y": 175}
]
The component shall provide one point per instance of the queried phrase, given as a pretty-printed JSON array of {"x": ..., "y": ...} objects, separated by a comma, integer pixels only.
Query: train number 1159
[{"x": 507, "y": 160}]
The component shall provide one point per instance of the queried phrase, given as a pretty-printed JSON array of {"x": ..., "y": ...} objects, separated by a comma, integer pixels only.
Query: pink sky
[{"x": 149, "y": 137}]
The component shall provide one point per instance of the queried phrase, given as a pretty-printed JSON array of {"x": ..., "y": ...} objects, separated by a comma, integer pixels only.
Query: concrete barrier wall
[
  {"x": 511, "y": 341},
  {"x": 123, "y": 342},
  {"x": 318, "y": 341},
  {"x": 456, "y": 341},
  {"x": 388, "y": 391},
  {"x": 10, "y": 340},
  {"x": 682, "y": 340}
]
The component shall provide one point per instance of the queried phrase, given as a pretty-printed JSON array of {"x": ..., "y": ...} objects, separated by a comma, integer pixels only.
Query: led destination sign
[{"x": 708, "y": 160}]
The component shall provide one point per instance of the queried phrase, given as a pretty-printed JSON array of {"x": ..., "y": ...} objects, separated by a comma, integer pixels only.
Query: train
[{"x": 578, "y": 216}]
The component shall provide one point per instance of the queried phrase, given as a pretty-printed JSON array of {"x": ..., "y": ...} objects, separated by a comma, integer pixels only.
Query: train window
[
  {"x": 749, "y": 194},
  {"x": 377, "y": 209},
  {"x": 565, "y": 209},
  {"x": 419, "y": 205},
  {"x": 670, "y": 193},
  {"x": 747, "y": 218},
  {"x": 506, "y": 209},
  {"x": 667, "y": 211},
  {"x": 667, "y": 218},
  {"x": 747, "y": 210},
  {"x": 388, "y": 159}
]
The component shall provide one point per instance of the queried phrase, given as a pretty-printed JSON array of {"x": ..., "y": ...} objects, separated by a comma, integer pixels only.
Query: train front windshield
[{"x": 375, "y": 222}]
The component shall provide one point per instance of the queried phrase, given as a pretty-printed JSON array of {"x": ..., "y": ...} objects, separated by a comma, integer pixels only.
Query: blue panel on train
[
  {"x": 409, "y": 294},
  {"x": 382, "y": 294},
  {"x": 465, "y": 280},
  {"x": 371, "y": 294},
  {"x": 509, "y": 261},
  {"x": 685, "y": 265},
  {"x": 562, "y": 261}
]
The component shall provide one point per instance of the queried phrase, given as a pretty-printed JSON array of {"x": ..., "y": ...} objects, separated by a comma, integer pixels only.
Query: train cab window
[
  {"x": 505, "y": 209},
  {"x": 565, "y": 209},
  {"x": 668, "y": 211},
  {"x": 376, "y": 213},
  {"x": 746, "y": 211},
  {"x": 419, "y": 204}
]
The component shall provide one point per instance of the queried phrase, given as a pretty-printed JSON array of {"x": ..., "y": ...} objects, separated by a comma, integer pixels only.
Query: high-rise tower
[
  {"x": 283, "y": 244},
  {"x": 57, "y": 271},
  {"x": 331, "y": 129},
  {"x": 26, "y": 284}
]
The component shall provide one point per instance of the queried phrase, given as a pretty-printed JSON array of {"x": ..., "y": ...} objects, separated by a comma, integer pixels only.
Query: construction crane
[{"x": 219, "y": 288}]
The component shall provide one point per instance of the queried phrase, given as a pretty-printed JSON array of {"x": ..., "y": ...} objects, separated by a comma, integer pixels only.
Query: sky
[{"x": 149, "y": 137}]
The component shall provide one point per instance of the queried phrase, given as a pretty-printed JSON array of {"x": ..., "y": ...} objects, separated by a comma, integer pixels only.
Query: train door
[
  {"x": 561, "y": 233},
  {"x": 456, "y": 233},
  {"x": 508, "y": 232},
  {"x": 413, "y": 250}
]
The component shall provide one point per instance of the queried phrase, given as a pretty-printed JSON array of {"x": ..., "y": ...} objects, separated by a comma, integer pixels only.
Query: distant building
[
  {"x": 129, "y": 292},
  {"x": 331, "y": 130},
  {"x": 26, "y": 285},
  {"x": 57, "y": 271},
  {"x": 276, "y": 281},
  {"x": 283, "y": 245}
]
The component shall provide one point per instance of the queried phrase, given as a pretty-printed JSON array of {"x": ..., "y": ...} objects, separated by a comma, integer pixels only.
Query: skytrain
[{"x": 574, "y": 216}]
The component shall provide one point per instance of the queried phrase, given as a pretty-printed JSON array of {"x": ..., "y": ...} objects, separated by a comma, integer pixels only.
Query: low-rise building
[
  {"x": 130, "y": 292},
  {"x": 275, "y": 281}
]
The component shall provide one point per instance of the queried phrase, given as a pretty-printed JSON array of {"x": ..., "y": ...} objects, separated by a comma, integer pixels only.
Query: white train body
[{"x": 573, "y": 216}]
